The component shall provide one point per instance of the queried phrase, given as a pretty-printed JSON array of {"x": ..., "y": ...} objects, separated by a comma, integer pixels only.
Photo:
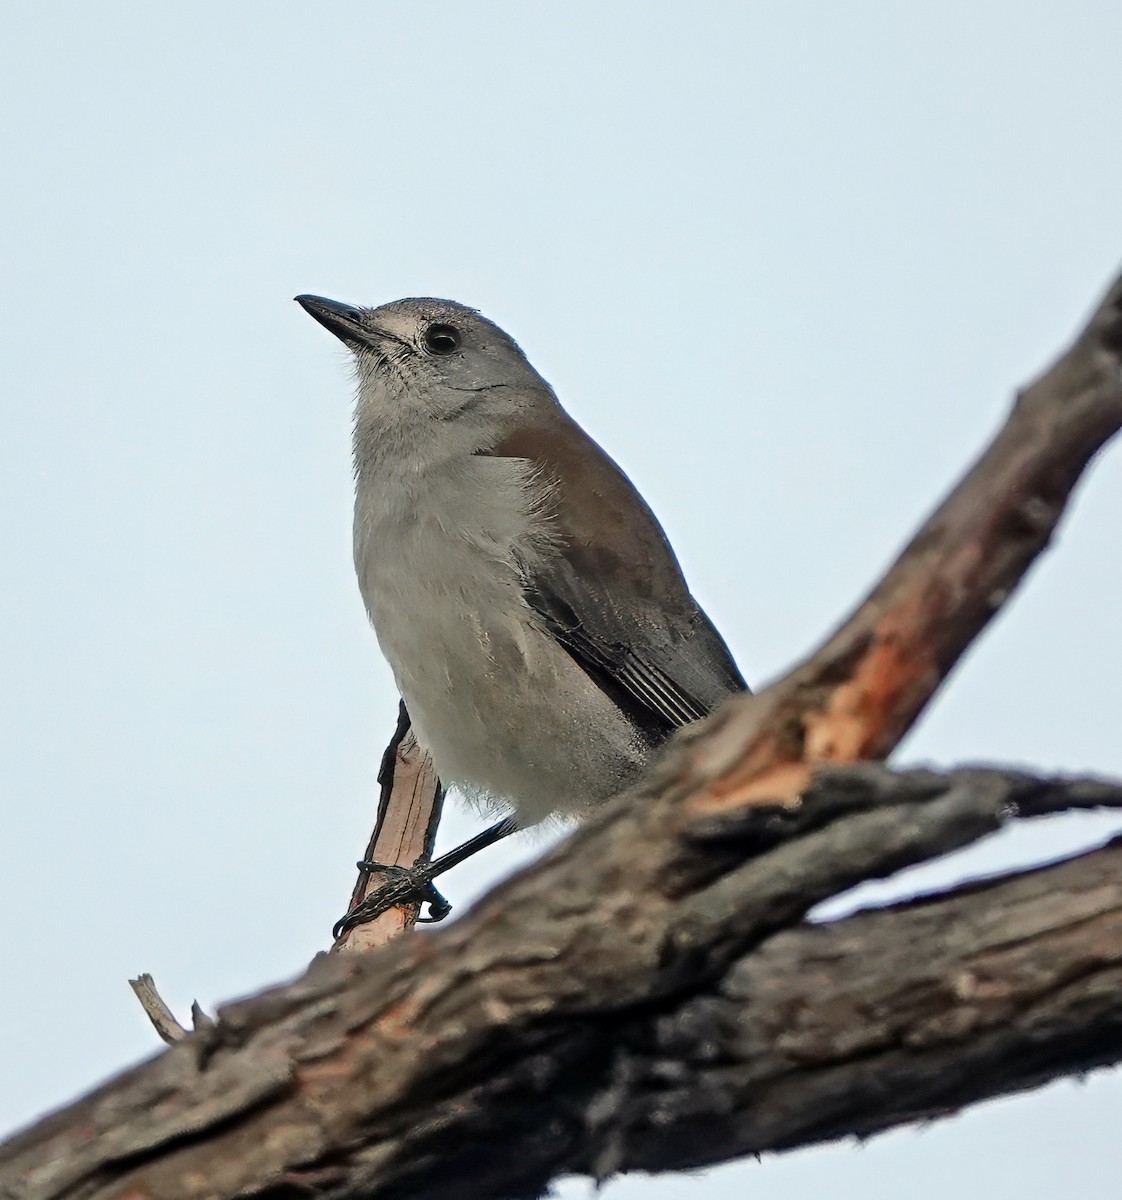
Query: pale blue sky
[{"x": 787, "y": 262}]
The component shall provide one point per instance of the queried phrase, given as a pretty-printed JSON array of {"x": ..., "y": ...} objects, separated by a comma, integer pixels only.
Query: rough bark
[
  {"x": 631, "y": 999},
  {"x": 562, "y": 1027}
]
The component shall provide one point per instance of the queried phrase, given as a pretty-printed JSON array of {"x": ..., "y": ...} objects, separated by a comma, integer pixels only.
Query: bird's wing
[
  {"x": 662, "y": 675},
  {"x": 613, "y": 594}
]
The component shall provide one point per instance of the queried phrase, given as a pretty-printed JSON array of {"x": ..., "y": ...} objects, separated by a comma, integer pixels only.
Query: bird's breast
[
  {"x": 440, "y": 567},
  {"x": 503, "y": 707}
]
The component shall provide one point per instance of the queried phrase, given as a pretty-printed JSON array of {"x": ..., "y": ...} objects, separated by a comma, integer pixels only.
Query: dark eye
[{"x": 442, "y": 339}]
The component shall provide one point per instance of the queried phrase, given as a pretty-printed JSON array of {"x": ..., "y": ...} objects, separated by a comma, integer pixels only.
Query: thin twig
[
  {"x": 158, "y": 1012},
  {"x": 409, "y": 808}
]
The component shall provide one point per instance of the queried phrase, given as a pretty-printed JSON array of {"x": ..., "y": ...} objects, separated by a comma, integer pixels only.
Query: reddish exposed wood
[
  {"x": 408, "y": 814},
  {"x": 857, "y": 695},
  {"x": 574, "y": 1014}
]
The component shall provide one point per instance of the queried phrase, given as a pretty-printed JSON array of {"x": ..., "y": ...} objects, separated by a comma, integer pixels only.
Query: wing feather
[{"x": 612, "y": 592}]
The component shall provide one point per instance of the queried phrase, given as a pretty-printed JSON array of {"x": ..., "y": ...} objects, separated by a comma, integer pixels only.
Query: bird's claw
[{"x": 400, "y": 885}]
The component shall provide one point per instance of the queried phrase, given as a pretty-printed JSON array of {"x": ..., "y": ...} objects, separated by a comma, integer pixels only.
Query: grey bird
[{"x": 534, "y": 615}]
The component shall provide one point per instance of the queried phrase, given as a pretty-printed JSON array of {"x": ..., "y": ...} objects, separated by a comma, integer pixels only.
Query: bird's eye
[{"x": 442, "y": 339}]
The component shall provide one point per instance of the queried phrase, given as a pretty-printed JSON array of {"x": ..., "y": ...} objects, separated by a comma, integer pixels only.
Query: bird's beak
[{"x": 343, "y": 320}]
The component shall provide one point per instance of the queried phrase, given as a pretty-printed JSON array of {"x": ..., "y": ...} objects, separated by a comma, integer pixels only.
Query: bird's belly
[{"x": 508, "y": 715}]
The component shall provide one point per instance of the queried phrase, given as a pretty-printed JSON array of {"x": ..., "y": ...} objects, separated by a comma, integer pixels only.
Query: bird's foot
[{"x": 399, "y": 885}]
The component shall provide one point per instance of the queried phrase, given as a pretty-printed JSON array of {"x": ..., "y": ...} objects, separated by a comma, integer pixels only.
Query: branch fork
[{"x": 649, "y": 994}]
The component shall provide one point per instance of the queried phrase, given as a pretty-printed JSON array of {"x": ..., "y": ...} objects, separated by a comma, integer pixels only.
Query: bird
[{"x": 536, "y": 620}]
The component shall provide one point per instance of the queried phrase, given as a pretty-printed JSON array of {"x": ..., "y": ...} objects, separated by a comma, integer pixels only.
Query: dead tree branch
[
  {"x": 409, "y": 808},
  {"x": 858, "y": 695},
  {"x": 656, "y": 968},
  {"x": 576, "y": 1022},
  {"x": 156, "y": 1009}
]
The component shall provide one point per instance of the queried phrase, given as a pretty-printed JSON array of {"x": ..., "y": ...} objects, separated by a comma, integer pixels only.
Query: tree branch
[
  {"x": 409, "y": 808},
  {"x": 573, "y": 1019},
  {"x": 858, "y": 695},
  {"x": 535, "y": 1037},
  {"x": 156, "y": 1009},
  {"x": 885, "y": 1018}
]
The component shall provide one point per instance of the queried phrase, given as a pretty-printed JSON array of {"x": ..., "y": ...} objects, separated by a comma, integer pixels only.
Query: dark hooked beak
[{"x": 343, "y": 320}]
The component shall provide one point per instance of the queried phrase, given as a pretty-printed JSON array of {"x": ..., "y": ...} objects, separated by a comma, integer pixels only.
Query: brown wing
[{"x": 614, "y": 596}]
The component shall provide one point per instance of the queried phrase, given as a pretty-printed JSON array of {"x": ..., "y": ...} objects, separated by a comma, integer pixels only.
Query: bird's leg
[{"x": 405, "y": 885}]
